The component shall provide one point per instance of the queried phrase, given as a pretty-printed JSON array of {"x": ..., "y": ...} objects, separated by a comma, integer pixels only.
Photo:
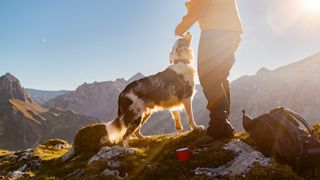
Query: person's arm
[{"x": 196, "y": 8}]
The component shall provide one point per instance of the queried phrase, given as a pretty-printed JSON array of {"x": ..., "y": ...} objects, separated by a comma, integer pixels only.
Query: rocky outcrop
[
  {"x": 107, "y": 153},
  {"x": 245, "y": 159},
  {"x": 10, "y": 88}
]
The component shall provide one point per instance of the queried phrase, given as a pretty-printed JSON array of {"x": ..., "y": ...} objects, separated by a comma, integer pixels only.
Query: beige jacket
[{"x": 211, "y": 14}]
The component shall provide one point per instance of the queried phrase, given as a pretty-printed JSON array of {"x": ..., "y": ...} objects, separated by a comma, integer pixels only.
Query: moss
[
  {"x": 57, "y": 169},
  {"x": 4, "y": 153},
  {"x": 90, "y": 138},
  {"x": 276, "y": 171},
  {"x": 54, "y": 142},
  {"x": 316, "y": 130},
  {"x": 156, "y": 158},
  {"x": 48, "y": 151}
]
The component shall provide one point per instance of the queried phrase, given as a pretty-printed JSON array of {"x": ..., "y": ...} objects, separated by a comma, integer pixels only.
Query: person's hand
[{"x": 179, "y": 30}]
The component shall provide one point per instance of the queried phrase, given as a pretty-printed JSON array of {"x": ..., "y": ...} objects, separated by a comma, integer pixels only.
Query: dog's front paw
[
  {"x": 178, "y": 131},
  {"x": 126, "y": 144},
  {"x": 139, "y": 136},
  {"x": 200, "y": 127}
]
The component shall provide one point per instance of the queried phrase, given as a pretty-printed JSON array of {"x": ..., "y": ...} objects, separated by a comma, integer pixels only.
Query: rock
[
  {"x": 17, "y": 174},
  {"x": 77, "y": 174},
  {"x": 90, "y": 138},
  {"x": 113, "y": 173},
  {"x": 33, "y": 165},
  {"x": 241, "y": 165},
  {"x": 114, "y": 164},
  {"x": 23, "y": 168},
  {"x": 107, "y": 153},
  {"x": 67, "y": 156},
  {"x": 24, "y": 155},
  {"x": 9, "y": 157},
  {"x": 60, "y": 146},
  {"x": 10, "y": 88},
  {"x": 152, "y": 165}
]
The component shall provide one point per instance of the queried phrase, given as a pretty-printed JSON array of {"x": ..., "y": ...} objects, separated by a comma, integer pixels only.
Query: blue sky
[{"x": 61, "y": 44}]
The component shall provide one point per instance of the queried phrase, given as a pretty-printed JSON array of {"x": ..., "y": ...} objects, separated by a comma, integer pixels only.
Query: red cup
[{"x": 183, "y": 154}]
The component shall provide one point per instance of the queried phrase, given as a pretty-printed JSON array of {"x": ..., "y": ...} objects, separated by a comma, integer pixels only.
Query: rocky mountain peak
[
  {"x": 263, "y": 71},
  {"x": 135, "y": 77},
  {"x": 10, "y": 88},
  {"x": 8, "y": 77}
]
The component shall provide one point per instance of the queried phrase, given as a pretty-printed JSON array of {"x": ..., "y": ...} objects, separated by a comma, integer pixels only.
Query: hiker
[{"x": 221, "y": 28}]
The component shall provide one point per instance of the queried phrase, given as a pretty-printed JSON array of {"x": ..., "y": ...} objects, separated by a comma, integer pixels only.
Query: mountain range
[
  {"x": 24, "y": 123},
  {"x": 295, "y": 86},
  {"x": 43, "y": 96}
]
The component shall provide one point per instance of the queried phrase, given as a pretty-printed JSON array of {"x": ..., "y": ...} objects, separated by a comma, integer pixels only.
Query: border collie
[{"x": 171, "y": 89}]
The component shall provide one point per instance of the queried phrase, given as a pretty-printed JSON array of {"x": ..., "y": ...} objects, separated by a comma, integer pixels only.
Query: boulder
[
  {"x": 68, "y": 156},
  {"x": 113, "y": 173},
  {"x": 107, "y": 153},
  {"x": 90, "y": 138},
  {"x": 245, "y": 159}
]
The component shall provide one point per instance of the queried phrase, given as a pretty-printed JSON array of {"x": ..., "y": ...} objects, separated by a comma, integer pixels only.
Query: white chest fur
[{"x": 187, "y": 70}]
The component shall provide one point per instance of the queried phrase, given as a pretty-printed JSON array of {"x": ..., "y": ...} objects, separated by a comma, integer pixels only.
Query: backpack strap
[{"x": 300, "y": 119}]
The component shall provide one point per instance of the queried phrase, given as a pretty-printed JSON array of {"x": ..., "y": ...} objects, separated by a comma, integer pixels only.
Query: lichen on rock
[
  {"x": 107, "y": 153},
  {"x": 245, "y": 159}
]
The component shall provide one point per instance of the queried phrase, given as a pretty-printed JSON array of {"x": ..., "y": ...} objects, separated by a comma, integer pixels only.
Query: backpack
[{"x": 279, "y": 135}]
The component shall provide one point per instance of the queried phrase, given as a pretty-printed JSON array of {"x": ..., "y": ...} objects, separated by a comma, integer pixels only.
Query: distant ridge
[
  {"x": 43, "y": 96},
  {"x": 296, "y": 86}
]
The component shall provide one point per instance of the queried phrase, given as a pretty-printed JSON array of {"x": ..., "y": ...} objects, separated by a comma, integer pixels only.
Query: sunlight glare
[{"x": 311, "y": 5}]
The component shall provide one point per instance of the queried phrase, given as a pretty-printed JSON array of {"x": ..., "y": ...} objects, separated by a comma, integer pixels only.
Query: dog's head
[{"x": 181, "y": 51}]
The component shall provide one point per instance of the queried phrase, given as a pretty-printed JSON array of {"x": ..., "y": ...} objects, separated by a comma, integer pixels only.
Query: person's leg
[
  {"x": 216, "y": 89},
  {"x": 227, "y": 92},
  {"x": 216, "y": 57}
]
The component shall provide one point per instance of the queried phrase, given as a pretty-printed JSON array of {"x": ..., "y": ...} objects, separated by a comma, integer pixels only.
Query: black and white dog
[{"x": 171, "y": 89}]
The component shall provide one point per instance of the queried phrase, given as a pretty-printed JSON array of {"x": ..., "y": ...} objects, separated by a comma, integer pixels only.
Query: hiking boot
[{"x": 221, "y": 130}]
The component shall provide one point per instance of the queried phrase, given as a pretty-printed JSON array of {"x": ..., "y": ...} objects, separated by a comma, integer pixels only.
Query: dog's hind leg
[
  {"x": 177, "y": 120},
  {"x": 187, "y": 103},
  {"x": 137, "y": 133},
  {"x": 133, "y": 126}
]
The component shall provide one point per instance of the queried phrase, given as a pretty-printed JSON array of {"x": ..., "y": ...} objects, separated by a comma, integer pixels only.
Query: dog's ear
[
  {"x": 188, "y": 37},
  {"x": 171, "y": 58}
]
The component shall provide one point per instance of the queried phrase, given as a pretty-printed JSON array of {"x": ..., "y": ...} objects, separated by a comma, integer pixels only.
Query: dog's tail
[{"x": 116, "y": 130}]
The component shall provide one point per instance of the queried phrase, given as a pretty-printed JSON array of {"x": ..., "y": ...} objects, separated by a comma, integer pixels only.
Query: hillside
[
  {"x": 152, "y": 158},
  {"x": 24, "y": 123}
]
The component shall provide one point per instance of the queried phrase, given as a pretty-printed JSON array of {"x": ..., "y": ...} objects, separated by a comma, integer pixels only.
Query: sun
[{"x": 311, "y": 5}]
